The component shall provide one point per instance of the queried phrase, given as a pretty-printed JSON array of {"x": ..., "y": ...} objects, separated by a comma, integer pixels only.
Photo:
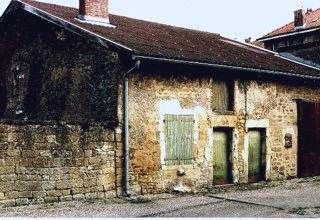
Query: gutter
[
  {"x": 262, "y": 39},
  {"x": 228, "y": 67},
  {"x": 126, "y": 177},
  {"x": 105, "y": 42},
  {"x": 278, "y": 55}
]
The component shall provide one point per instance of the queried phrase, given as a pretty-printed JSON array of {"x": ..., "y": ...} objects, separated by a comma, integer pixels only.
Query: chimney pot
[{"x": 309, "y": 10}]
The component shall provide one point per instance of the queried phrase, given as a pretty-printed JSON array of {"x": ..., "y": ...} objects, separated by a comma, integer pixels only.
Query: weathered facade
[
  {"x": 268, "y": 107},
  {"x": 90, "y": 112}
]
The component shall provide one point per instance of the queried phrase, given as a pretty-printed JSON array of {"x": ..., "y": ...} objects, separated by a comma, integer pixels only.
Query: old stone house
[
  {"x": 94, "y": 105},
  {"x": 300, "y": 37}
]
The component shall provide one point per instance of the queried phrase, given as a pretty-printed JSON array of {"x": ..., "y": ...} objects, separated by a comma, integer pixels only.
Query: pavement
[{"x": 292, "y": 198}]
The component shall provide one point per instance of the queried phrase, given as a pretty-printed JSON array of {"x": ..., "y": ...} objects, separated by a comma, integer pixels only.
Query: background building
[{"x": 300, "y": 38}]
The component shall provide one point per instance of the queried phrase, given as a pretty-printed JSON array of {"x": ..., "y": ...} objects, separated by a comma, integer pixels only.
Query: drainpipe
[{"x": 126, "y": 186}]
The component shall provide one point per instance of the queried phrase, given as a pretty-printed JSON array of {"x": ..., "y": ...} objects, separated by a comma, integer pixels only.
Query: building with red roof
[
  {"x": 94, "y": 105},
  {"x": 300, "y": 37}
]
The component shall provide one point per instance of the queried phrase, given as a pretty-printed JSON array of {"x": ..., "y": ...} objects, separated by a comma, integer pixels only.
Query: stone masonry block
[
  {"x": 54, "y": 193},
  {"x": 63, "y": 184},
  {"x": 8, "y": 177},
  {"x": 7, "y": 170},
  {"x": 13, "y": 152},
  {"x": 8, "y": 203},
  {"x": 22, "y": 201},
  {"x": 27, "y": 185},
  {"x": 48, "y": 185},
  {"x": 38, "y": 194},
  {"x": 66, "y": 198},
  {"x": 78, "y": 197},
  {"x": 90, "y": 182},
  {"x": 92, "y": 195},
  {"x": 45, "y": 153},
  {"x": 12, "y": 194},
  {"x": 2, "y": 196},
  {"x": 6, "y": 186},
  {"x": 51, "y": 199}
]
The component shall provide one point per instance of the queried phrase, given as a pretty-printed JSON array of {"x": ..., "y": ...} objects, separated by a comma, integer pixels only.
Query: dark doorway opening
[{"x": 308, "y": 139}]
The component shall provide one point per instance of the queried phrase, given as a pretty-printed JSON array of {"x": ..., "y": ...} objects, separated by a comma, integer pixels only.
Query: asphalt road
[{"x": 294, "y": 198}]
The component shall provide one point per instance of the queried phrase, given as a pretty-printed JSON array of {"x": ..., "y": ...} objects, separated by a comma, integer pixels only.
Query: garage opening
[{"x": 308, "y": 139}]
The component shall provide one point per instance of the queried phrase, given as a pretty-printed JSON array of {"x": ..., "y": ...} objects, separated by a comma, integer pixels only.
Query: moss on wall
[{"x": 54, "y": 75}]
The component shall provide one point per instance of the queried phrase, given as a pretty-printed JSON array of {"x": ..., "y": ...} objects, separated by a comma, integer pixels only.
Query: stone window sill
[{"x": 223, "y": 112}]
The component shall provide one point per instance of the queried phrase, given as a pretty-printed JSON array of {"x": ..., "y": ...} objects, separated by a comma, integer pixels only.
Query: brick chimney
[
  {"x": 94, "y": 12},
  {"x": 299, "y": 18}
]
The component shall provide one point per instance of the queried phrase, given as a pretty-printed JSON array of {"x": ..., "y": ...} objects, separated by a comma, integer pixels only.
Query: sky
[{"x": 235, "y": 19}]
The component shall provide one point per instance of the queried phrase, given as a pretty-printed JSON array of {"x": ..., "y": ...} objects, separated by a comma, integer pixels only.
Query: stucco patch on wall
[
  {"x": 260, "y": 123},
  {"x": 173, "y": 107}
]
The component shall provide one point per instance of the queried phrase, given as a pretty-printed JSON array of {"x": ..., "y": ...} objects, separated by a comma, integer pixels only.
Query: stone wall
[
  {"x": 273, "y": 106},
  {"x": 266, "y": 105},
  {"x": 152, "y": 97},
  {"x": 51, "y": 163},
  {"x": 59, "y": 138}
]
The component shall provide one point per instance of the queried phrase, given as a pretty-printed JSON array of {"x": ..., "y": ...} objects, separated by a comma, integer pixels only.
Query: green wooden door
[
  {"x": 256, "y": 159},
  {"x": 221, "y": 155}
]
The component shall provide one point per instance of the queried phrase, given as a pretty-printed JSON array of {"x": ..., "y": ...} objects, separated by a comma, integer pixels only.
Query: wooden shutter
[
  {"x": 179, "y": 139},
  {"x": 222, "y": 96}
]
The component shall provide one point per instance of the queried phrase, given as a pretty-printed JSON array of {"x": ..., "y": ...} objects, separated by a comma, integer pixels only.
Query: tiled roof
[
  {"x": 164, "y": 41},
  {"x": 312, "y": 21}
]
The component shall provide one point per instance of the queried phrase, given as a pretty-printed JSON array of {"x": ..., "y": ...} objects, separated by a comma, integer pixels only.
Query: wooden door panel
[
  {"x": 221, "y": 157},
  {"x": 256, "y": 159}
]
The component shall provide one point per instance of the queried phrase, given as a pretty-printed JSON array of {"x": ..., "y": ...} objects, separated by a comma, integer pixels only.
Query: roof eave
[
  {"x": 266, "y": 38},
  {"x": 107, "y": 42},
  {"x": 228, "y": 67}
]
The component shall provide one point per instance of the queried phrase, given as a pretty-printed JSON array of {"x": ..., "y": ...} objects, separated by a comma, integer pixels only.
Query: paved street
[{"x": 294, "y": 198}]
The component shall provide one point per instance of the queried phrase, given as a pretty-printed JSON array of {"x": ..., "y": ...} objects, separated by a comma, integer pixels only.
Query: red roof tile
[
  {"x": 312, "y": 21},
  {"x": 164, "y": 41}
]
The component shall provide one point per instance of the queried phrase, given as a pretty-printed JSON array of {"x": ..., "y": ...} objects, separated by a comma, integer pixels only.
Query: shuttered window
[
  {"x": 178, "y": 139},
  {"x": 222, "y": 96}
]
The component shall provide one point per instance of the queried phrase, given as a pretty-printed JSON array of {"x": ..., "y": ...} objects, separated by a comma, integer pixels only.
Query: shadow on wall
[{"x": 53, "y": 75}]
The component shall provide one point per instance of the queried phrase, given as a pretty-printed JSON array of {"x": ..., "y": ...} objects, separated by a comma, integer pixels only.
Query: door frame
[
  {"x": 263, "y": 155},
  {"x": 261, "y": 124}
]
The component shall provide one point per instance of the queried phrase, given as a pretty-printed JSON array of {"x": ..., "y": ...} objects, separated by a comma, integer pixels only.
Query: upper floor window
[{"x": 222, "y": 95}]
